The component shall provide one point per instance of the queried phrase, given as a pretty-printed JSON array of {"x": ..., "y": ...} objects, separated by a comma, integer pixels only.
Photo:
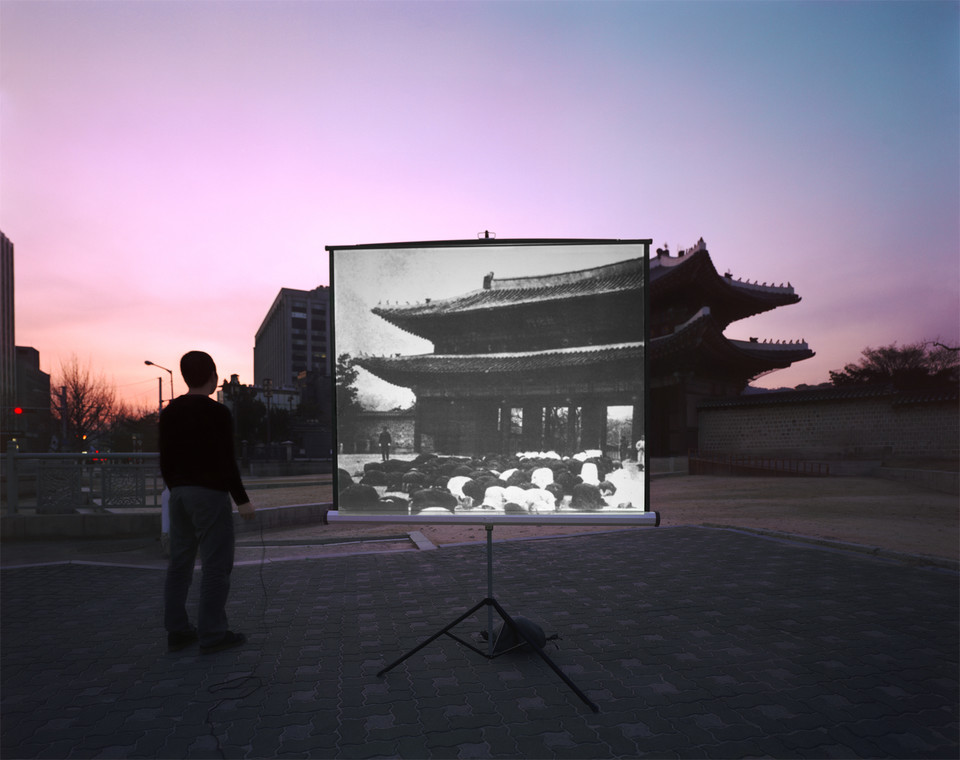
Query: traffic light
[{"x": 14, "y": 424}]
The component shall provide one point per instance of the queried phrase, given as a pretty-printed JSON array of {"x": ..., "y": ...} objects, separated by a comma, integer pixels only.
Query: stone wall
[
  {"x": 876, "y": 424},
  {"x": 401, "y": 427}
]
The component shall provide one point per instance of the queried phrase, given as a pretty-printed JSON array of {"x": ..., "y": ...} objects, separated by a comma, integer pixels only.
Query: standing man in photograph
[
  {"x": 199, "y": 467},
  {"x": 385, "y": 441}
]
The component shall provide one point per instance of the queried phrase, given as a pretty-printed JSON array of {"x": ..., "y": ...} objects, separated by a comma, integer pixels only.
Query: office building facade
[
  {"x": 8, "y": 357},
  {"x": 292, "y": 341}
]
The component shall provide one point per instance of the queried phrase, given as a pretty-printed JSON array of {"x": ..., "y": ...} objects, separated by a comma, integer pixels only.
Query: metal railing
[{"x": 65, "y": 483}]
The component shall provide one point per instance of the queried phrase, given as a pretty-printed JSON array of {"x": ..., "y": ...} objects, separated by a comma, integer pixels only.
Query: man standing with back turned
[{"x": 198, "y": 466}]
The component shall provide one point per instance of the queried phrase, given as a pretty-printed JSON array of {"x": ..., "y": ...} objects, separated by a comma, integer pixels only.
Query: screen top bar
[{"x": 493, "y": 242}]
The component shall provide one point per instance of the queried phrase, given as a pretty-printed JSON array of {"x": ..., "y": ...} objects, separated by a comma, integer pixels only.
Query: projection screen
[{"x": 491, "y": 381}]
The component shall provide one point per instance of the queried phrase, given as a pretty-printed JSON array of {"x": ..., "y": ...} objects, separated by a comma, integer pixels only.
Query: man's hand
[{"x": 247, "y": 511}]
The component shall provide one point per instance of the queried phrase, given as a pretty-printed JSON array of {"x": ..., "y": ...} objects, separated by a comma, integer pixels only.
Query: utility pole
[
  {"x": 154, "y": 364},
  {"x": 268, "y": 392},
  {"x": 63, "y": 416}
]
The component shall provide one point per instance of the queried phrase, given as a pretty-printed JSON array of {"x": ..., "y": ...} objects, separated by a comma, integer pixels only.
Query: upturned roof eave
[
  {"x": 608, "y": 280},
  {"x": 505, "y": 363},
  {"x": 700, "y": 341},
  {"x": 735, "y": 299}
]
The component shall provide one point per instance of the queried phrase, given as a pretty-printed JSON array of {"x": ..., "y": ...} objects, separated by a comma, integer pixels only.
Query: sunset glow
[{"x": 167, "y": 167}]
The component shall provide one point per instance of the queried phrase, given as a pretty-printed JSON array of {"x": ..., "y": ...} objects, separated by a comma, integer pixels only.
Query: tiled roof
[
  {"x": 803, "y": 396},
  {"x": 663, "y": 266},
  {"x": 933, "y": 396},
  {"x": 496, "y": 363},
  {"x": 697, "y": 344},
  {"x": 838, "y": 393},
  {"x": 694, "y": 277},
  {"x": 622, "y": 276},
  {"x": 701, "y": 341}
]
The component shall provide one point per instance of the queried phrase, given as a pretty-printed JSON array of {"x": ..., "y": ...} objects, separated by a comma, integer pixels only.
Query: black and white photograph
[{"x": 491, "y": 379}]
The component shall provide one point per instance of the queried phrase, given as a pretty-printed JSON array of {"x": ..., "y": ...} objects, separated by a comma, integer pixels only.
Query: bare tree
[
  {"x": 84, "y": 405},
  {"x": 923, "y": 364},
  {"x": 943, "y": 360}
]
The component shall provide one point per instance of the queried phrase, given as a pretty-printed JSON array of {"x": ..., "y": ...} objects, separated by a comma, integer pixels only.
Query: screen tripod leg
[
  {"x": 543, "y": 655},
  {"x": 443, "y": 631},
  {"x": 491, "y": 604}
]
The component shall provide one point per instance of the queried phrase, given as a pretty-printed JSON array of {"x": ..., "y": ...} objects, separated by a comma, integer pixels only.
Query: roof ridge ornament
[{"x": 700, "y": 246}]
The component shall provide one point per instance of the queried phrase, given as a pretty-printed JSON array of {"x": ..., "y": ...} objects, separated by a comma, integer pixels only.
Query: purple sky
[{"x": 167, "y": 167}]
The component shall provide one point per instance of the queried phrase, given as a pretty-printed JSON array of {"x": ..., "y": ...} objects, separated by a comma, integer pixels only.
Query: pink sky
[{"x": 165, "y": 168}]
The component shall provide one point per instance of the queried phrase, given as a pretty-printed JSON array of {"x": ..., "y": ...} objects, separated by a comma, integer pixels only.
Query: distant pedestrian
[
  {"x": 198, "y": 464},
  {"x": 385, "y": 441}
]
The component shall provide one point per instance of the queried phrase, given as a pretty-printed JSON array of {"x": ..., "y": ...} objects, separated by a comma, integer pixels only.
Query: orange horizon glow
[{"x": 168, "y": 167}]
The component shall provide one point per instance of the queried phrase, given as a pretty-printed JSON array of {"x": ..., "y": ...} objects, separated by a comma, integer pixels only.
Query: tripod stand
[{"x": 519, "y": 633}]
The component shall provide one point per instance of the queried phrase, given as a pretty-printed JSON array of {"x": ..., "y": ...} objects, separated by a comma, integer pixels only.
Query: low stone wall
[
  {"x": 262, "y": 469},
  {"x": 833, "y": 424},
  {"x": 33, "y": 527},
  {"x": 400, "y": 424}
]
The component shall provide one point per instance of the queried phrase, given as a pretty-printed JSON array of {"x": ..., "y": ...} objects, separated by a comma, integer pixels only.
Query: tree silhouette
[
  {"x": 921, "y": 365},
  {"x": 249, "y": 413},
  {"x": 348, "y": 403},
  {"x": 84, "y": 405}
]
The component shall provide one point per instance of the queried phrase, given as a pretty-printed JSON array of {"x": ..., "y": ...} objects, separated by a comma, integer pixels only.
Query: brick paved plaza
[{"x": 692, "y": 642}]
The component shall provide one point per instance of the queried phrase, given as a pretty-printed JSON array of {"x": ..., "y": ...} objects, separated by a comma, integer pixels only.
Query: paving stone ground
[{"x": 692, "y": 642}]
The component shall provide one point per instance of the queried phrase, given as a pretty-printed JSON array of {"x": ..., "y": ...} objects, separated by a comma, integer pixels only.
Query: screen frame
[{"x": 614, "y": 519}]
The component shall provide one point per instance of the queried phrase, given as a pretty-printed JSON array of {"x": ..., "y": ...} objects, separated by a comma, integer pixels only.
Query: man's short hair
[{"x": 196, "y": 368}]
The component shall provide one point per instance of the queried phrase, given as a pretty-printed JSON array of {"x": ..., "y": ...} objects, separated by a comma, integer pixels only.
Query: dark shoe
[
  {"x": 177, "y": 640},
  {"x": 229, "y": 640}
]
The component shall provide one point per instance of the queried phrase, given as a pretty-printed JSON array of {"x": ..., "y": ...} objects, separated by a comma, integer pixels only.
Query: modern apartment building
[
  {"x": 24, "y": 387},
  {"x": 292, "y": 341},
  {"x": 8, "y": 357}
]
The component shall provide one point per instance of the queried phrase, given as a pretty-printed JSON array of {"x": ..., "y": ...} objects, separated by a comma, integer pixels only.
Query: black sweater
[{"x": 196, "y": 446}]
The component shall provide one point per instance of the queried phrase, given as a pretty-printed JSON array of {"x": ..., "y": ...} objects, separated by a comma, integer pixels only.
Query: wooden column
[
  {"x": 417, "y": 427},
  {"x": 532, "y": 435},
  {"x": 504, "y": 443},
  {"x": 593, "y": 425},
  {"x": 487, "y": 415},
  {"x": 573, "y": 441}
]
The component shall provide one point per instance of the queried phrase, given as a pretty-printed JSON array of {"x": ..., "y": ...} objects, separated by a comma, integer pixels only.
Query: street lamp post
[{"x": 154, "y": 364}]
